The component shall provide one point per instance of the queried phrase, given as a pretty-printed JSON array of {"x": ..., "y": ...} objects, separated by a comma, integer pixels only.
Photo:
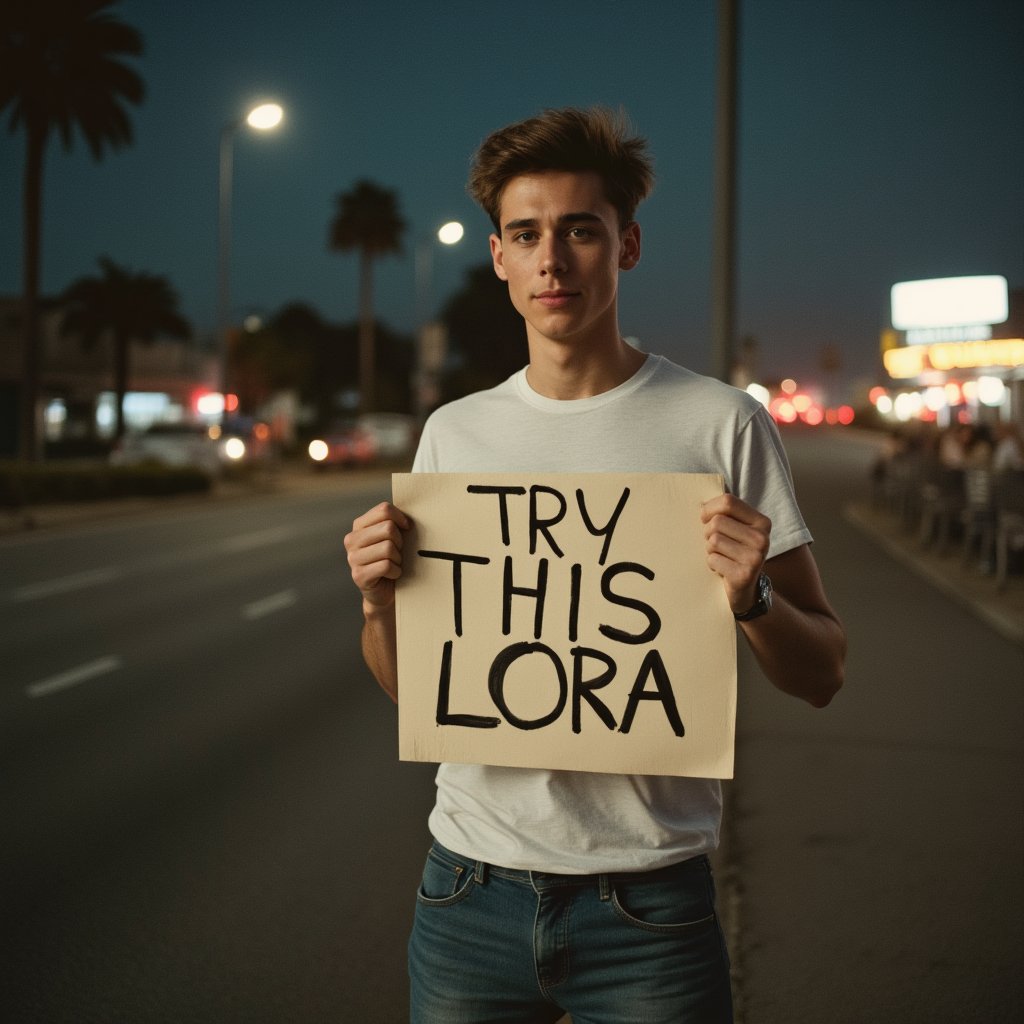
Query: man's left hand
[{"x": 736, "y": 538}]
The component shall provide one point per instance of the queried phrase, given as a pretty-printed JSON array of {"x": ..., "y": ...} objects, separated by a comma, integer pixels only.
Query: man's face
[{"x": 561, "y": 250}]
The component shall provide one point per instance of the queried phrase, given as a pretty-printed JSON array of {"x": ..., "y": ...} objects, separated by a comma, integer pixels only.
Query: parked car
[
  {"x": 344, "y": 445},
  {"x": 181, "y": 444},
  {"x": 393, "y": 432}
]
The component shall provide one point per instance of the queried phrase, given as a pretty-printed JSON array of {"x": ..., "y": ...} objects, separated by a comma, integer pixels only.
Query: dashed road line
[
  {"x": 259, "y": 539},
  {"x": 74, "y": 676},
  {"x": 66, "y": 584},
  {"x": 269, "y": 605}
]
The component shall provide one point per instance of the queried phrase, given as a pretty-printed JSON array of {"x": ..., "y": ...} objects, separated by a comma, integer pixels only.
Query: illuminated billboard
[{"x": 949, "y": 302}]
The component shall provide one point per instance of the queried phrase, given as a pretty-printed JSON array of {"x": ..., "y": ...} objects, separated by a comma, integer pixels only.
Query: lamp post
[
  {"x": 263, "y": 117},
  {"x": 430, "y": 337},
  {"x": 723, "y": 264}
]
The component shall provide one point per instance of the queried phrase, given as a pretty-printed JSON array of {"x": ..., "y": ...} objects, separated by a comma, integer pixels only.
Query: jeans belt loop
[
  {"x": 480, "y": 873},
  {"x": 604, "y": 888}
]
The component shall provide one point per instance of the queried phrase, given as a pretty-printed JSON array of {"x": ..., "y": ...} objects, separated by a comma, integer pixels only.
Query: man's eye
[
  {"x": 524, "y": 236},
  {"x": 580, "y": 233}
]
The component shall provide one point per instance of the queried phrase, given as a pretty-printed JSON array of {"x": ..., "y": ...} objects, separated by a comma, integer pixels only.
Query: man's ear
[
  {"x": 497, "y": 258},
  {"x": 629, "y": 257}
]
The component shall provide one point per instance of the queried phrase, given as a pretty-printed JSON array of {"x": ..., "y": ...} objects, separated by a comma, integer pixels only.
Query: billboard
[{"x": 949, "y": 302}]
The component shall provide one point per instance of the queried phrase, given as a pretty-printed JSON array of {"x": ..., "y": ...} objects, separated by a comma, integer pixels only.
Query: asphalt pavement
[
  {"x": 1002, "y": 610},
  {"x": 845, "y": 828}
]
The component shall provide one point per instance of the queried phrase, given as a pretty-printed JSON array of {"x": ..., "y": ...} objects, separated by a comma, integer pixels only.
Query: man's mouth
[{"x": 555, "y": 298}]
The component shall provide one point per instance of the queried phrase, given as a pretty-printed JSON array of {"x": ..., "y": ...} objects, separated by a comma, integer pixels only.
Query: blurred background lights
[
  {"x": 907, "y": 405},
  {"x": 935, "y": 398},
  {"x": 991, "y": 391},
  {"x": 210, "y": 404},
  {"x": 760, "y": 392},
  {"x": 234, "y": 448}
]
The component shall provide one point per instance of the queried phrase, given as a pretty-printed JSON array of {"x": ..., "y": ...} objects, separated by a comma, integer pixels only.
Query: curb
[{"x": 1000, "y": 610}]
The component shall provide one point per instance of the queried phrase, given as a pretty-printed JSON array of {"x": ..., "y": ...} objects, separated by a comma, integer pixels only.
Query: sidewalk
[{"x": 1002, "y": 610}]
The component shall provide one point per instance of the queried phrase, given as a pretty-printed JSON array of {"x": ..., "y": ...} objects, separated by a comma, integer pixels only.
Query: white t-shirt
[{"x": 663, "y": 419}]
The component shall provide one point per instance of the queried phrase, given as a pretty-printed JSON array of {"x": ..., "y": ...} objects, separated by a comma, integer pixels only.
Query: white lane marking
[
  {"x": 66, "y": 584},
  {"x": 74, "y": 676},
  {"x": 269, "y": 605},
  {"x": 248, "y": 541}
]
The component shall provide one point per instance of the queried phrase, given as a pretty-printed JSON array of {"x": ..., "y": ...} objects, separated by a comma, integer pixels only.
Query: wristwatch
[{"x": 763, "y": 603}]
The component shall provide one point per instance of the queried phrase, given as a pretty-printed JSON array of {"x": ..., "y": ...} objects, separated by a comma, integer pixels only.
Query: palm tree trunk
[
  {"x": 121, "y": 344},
  {"x": 29, "y": 440},
  {"x": 367, "y": 369}
]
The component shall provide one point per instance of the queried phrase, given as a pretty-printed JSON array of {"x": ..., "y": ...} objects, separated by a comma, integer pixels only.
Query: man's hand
[
  {"x": 375, "y": 553},
  {"x": 736, "y": 539},
  {"x": 375, "y": 560},
  {"x": 800, "y": 644}
]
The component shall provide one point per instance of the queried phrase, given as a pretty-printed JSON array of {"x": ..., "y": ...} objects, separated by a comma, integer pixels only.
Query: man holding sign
[{"x": 551, "y": 890}]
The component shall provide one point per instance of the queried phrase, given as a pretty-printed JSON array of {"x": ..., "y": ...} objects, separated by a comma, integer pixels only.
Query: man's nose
[{"x": 553, "y": 255}]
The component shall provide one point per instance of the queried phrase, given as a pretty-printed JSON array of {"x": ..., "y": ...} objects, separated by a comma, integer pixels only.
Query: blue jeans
[{"x": 492, "y": 944}]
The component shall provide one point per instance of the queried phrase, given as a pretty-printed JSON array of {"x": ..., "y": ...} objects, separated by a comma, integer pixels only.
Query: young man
[{"x": 550, "y": 891}]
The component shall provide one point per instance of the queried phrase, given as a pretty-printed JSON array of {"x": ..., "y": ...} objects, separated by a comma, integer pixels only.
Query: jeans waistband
[{"x": 538, "y": 880}]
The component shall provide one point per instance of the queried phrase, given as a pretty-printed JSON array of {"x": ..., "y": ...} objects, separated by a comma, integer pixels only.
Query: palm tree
[
  {"x": 367, "y": 219},
  {"x": 59, "y": 71},
  {"x": 127, "y": 307}
]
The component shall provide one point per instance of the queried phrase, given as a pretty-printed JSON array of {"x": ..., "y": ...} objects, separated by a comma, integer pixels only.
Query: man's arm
[
  {"x": 375, "y": 560},
  {"x": 800, "y": 644}
]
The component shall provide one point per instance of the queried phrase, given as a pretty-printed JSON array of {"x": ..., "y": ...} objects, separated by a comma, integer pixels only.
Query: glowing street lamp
[{"x": 263, "y": 117}]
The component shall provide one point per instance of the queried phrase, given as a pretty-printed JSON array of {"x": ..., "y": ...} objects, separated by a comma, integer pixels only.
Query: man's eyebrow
[
  {"x": 582, "y": 217},
  {"x": 525, "y": 222}
]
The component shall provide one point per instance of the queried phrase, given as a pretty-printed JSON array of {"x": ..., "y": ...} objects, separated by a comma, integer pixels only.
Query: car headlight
[
  {"x": 234, "y": 448},
  {"x": 318, "y": 450}
]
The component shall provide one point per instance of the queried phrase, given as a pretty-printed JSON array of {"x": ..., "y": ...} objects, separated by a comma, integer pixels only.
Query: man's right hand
[{"x": 375, "y": 553}]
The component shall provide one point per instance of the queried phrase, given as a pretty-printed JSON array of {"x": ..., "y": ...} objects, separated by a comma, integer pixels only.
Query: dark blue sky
[{"x": 881, "y": 140}]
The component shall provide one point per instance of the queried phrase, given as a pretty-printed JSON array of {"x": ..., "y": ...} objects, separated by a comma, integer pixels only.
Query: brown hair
[{"x": 596, "y": 139}]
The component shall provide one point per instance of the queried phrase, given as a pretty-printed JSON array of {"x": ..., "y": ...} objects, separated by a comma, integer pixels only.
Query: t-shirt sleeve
[
  {"x": 762, "y": 478},
  {"x": 425, "y": 460}
]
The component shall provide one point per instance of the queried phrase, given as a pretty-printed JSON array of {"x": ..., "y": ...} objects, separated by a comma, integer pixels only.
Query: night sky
[{"x": 880, "y": 141}]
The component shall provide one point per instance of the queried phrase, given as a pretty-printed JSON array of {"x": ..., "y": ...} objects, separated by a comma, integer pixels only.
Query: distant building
[
  {"x": 955, "y": 372},
  {"x": 77, "y": 386}
]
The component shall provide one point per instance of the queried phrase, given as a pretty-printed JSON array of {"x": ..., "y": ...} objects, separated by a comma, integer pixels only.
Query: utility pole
[{"x": 723, "y": 265}]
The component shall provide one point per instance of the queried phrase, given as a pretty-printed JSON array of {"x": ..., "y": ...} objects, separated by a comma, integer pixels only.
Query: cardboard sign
[{"x": 563, "y": 621}]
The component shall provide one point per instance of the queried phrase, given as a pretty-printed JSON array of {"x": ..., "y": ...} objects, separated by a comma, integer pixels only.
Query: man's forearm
[
  {"x": 380, "y": 646},
  {"x": 800, "y": 644},
  {"x": 802, "y": 653}
]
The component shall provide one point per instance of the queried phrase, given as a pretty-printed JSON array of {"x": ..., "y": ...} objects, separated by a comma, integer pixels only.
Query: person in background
[{"x": 1009, "y": 450}]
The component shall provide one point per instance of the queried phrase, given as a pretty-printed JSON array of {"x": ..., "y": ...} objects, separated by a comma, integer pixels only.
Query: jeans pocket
[
  {"x": 445, "y": 882},
  {"x": 673, "y": 900}
]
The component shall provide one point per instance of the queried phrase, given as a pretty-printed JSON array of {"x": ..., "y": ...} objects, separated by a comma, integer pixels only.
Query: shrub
[{"x": 24, "y": 483}]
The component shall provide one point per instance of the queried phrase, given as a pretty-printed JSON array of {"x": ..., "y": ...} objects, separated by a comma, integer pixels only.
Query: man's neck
[{"x": 566, "y": 372}]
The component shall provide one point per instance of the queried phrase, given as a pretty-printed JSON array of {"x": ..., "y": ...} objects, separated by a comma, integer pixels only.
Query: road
[
  {"x": 204, "y": 819},
  {"x": 876, "y": 847}
]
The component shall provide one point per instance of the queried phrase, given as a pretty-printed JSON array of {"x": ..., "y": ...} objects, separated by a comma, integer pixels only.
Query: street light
[
  {"x": 430, "y": 338},
  {"x": 262, "y": 117}
]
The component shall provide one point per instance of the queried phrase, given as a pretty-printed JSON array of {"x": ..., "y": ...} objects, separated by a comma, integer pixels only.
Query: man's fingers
[
  {"x": 384, "y": 512},
  {"x": 374, "y": 549},
  {"x": 731, "y": 507}
]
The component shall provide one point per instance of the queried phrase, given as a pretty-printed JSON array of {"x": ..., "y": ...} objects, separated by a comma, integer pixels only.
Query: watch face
[{"x": 764, "y": 600}]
